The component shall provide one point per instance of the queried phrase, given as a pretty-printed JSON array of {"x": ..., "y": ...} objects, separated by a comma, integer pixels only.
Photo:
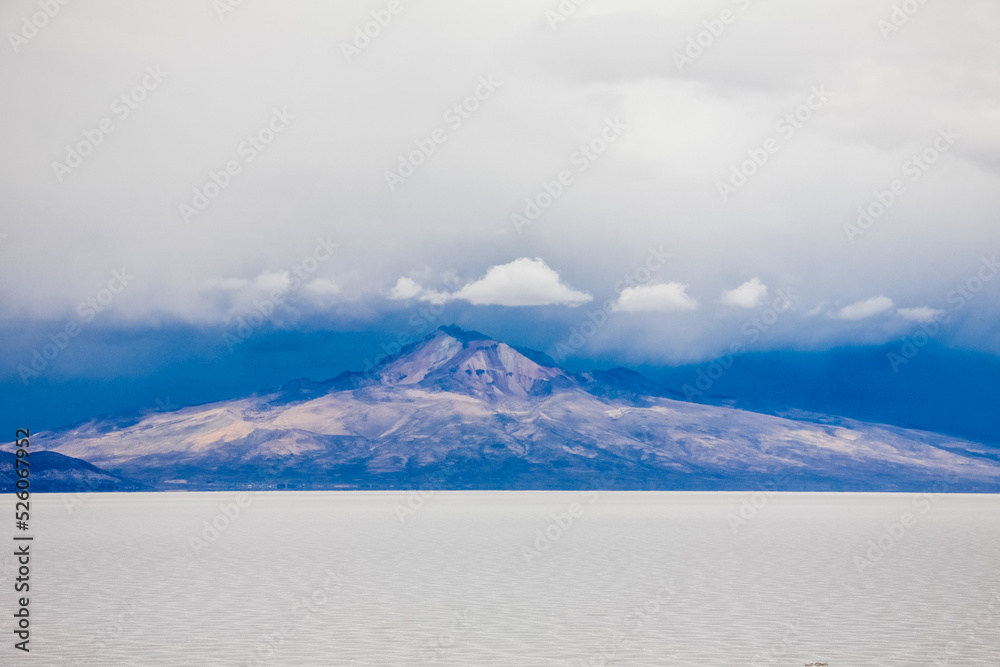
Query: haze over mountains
[{"x": 460, "y": 410}]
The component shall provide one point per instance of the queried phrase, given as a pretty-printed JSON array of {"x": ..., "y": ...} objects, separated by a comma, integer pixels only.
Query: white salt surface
[{"x": 636, "y": 579}]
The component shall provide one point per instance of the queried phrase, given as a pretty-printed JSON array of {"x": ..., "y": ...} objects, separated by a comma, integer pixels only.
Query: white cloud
[
  {"x": 523, "y": 282},
  {"x": 663, "y": 297},
  {"x": 920, "y": 313},
  {"x": 865, "y": 309},
  {"x": 435, "y": 297},
  {"x": 323, "y": 286},
  {"x": 278, "y": 281},
  {"x": 748, "y": 295},
  {"x": 405, "y": 288}
]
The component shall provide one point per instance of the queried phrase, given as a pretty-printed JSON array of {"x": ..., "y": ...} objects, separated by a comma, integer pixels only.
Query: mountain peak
[
  {"x": 458, "y": 333},
  {"x": 469, "y": 362}
]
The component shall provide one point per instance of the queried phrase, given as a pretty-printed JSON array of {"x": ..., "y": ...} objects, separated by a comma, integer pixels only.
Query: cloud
[
  {"x": 748, "y": 295},
  {"x": 523, "y": 282},
  {"x": 408, "y": 288},
  {"x": 405, "y": 288},
  {"x": 453, "y": 213},
  {"x": 278, "y": 281},
  {"x": 435, "y": 297},
  {"x": 919, "y": 314},
  {"x": 663, "y": 297},
  {"x": 323, "y": 286},
  {"x": 865, "y": 309}
]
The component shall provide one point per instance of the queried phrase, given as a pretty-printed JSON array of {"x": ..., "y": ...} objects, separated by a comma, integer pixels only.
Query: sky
[{"x": 204, "y": 197}]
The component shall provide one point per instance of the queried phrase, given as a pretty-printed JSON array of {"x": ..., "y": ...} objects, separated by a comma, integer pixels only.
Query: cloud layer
[{"x": 486, "y": 113}]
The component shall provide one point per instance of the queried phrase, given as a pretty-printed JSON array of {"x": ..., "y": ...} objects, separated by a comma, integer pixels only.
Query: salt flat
[{"x": 464, "y": 578}]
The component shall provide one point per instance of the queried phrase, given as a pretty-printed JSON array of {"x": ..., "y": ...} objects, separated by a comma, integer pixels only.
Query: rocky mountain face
[{"x": 460, "y": 410}]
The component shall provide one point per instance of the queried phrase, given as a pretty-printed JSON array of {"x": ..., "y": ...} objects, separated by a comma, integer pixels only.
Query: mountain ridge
[{"x": 459, "y": 409}]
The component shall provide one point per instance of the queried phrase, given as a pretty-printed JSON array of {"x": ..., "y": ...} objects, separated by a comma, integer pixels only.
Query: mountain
[
  {"x": 52, "y": 472},
  {"x": 460, "y": 410}
]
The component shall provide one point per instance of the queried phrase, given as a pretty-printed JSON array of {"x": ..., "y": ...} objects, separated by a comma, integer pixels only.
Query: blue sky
[{"x": 196, "y": 204}]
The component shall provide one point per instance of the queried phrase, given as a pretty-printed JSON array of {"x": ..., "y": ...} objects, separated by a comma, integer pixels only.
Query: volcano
[{"x": 460, "y": 410}]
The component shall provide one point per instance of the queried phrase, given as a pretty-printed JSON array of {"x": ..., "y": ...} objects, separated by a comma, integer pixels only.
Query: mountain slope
[
  {"x": 54, "y": 472},
  {"x": 460, "y": 410}
]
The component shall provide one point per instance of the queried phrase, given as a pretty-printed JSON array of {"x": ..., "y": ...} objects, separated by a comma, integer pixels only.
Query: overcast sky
[{"x": 613, "y": 121}]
